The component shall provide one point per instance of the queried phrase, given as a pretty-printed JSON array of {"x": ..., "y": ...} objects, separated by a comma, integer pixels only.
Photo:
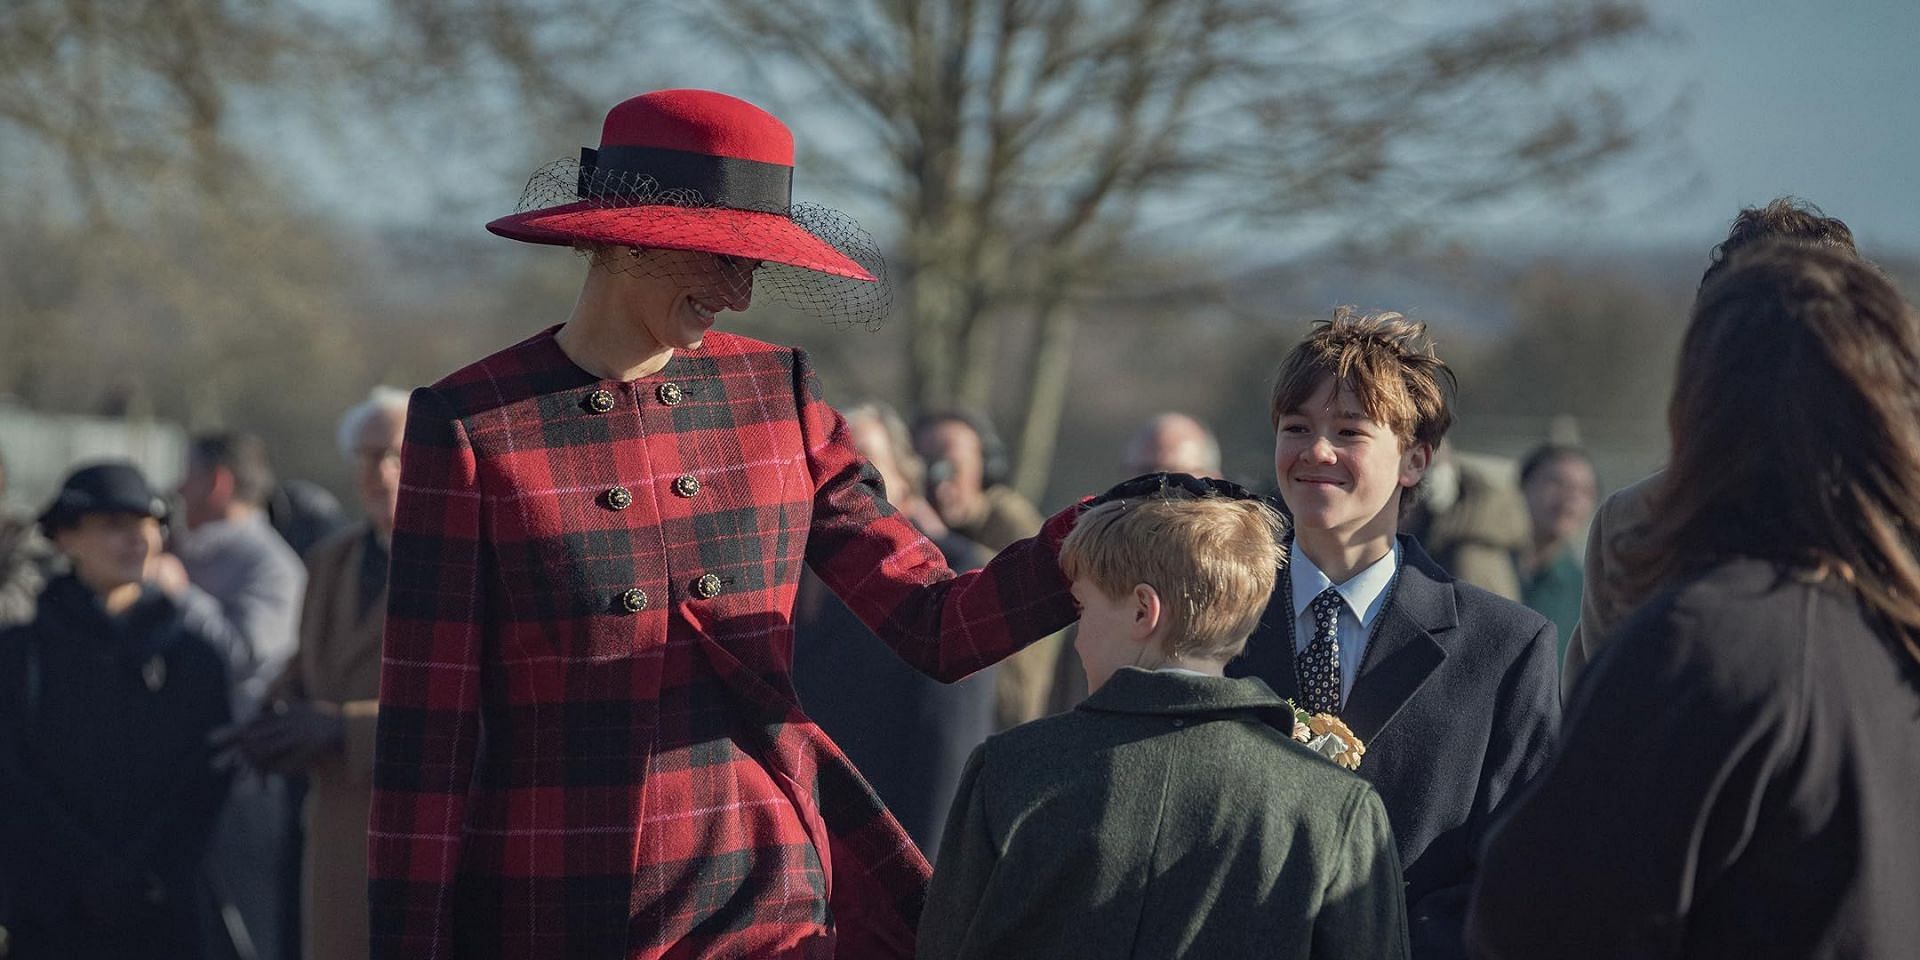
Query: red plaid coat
[{"x": 589, "y": 744}]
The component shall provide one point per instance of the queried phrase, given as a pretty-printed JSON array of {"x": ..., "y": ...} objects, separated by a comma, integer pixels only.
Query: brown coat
[
  {"x": 339, "y": 663},
  {"x": 1603, "y": 604}
]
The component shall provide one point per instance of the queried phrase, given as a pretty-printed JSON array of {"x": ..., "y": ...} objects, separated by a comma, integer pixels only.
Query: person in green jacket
[{"x": 1172, "y": 814}]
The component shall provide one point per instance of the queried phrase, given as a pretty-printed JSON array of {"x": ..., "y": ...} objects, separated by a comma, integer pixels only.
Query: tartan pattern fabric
[
  {"x": 1319, "y": 664},
  {"x": 582, "y": 752}
]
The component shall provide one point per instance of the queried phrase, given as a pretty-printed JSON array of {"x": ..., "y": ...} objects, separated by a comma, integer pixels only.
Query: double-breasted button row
[
  {"x": 620, "y": 498},
  {"x": 705, "y": 587},
  {"x": 603, "y": 400}
]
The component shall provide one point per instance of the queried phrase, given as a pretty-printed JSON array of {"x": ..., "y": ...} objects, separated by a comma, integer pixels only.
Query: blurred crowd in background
[
  {"x": 1104, "y": 221},
  {"x": 289, "y": 584}
]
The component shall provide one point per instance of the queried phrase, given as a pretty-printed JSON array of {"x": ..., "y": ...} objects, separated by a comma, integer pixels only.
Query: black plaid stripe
[
  {"x": 499, "y": 917},
  {"x": 565, "y": 422},
  {"x": 727, "y": 545},
  {"x": 730, "y": 892},
  {"x": 705, "y": 406}
]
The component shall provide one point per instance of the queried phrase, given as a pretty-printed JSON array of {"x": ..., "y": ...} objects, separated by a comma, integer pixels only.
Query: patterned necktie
[{"x": 1318, "y": 666}]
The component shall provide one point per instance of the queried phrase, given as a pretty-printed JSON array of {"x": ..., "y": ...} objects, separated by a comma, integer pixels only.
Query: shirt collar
[
  {"x": 1365, "y": 592},
  {"x": 1181, "y": 670}
]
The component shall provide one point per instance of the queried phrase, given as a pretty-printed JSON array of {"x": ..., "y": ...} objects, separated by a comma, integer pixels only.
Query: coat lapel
[
  {"x": 1269, "y": 654},
  {"x": 1403, "y": 653}
]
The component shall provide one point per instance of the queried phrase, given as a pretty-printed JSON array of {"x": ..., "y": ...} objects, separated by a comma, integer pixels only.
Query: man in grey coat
[
  {"x": 232, "y": 553},
  {"x": 1171, "y": 814}
]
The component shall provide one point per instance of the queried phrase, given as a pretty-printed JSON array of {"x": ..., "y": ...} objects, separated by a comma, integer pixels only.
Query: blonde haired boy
[{"x": 1169, "y": 815}]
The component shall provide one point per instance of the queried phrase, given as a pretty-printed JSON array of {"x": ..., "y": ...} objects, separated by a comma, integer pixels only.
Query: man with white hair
[{"x": 320, "y": 716}]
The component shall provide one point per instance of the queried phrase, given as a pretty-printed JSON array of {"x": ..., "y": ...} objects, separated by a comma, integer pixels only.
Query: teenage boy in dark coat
[
  {"x": 1170, "y": 815},
  {"x": 1454, "y": 691},
  {"x": 107, "y": 785}
]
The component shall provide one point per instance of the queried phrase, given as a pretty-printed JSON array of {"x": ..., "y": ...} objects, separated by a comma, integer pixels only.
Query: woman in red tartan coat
[{"x": 589, "y": 744}]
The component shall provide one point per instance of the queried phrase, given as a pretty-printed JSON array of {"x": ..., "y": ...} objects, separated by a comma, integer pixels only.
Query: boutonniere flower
[{"x": 1329, "y": 736}]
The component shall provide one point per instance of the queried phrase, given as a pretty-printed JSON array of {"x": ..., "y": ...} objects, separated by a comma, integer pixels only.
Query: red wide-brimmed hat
[{"x": 689, "y": 170}]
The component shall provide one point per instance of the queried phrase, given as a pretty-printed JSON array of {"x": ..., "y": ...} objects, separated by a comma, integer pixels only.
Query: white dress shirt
[{"x": 1364, "y": 595}]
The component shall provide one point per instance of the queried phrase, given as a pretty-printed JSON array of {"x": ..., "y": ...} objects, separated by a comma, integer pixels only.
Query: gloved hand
[
  {"x": 290, "y": 737},
  {"x": 1165, "y": 485}
]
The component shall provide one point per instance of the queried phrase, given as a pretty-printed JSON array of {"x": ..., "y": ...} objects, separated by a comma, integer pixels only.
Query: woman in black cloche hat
[{"x": 108, "y": 788}]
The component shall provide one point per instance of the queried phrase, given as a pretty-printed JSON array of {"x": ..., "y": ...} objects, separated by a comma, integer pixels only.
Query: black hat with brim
[{"x": 103, "y": 488}]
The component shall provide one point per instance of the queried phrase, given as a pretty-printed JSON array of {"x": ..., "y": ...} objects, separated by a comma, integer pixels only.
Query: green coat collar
[{"x": 1158, "y": 693}]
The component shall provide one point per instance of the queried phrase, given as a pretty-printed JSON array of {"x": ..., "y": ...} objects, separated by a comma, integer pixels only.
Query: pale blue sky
[{"x": 1816, "y": 99}]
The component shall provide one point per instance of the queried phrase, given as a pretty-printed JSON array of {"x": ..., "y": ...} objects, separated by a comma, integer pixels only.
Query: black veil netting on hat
[{"x": 627, "y": 222}]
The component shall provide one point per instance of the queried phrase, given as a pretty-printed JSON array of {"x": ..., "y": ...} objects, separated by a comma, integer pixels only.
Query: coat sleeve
[
  {"x": 205, "y": 617},
  {"x": 1526, "y": 726},
  {"x": 1601, "y": 605},
  {"x": 257, "y": 627},
  {"x": 267, "y": 613},
  {"x": 967, "y": 859},
  {"x": 896, "y": 581},
  {"x": 1594, "y": 621},
  {"x": 1363, "y": 915},
  {"x": 1652, "y": 796},
  {"x": 429, "y": 720},
  {"x": 41, "y": 838}
]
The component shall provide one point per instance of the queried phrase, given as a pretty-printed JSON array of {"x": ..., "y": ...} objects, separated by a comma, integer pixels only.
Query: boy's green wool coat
[{"x": 1168, "y": 816}]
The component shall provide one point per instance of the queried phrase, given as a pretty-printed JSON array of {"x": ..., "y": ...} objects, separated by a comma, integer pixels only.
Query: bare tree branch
[{"x": 1026, "y": 141}]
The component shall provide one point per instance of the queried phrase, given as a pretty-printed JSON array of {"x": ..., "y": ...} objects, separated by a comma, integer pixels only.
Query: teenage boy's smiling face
[{"x": 1339, "y": 469}]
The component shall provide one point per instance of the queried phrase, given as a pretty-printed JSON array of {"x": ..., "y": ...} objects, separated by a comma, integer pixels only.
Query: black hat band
[{"x": 721, "y": 181}]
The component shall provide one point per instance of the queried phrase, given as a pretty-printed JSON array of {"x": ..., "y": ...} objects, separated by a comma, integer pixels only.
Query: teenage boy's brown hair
[
  {"x": 1212, "y": 560},
  {"x": 1385, "y": 361}
]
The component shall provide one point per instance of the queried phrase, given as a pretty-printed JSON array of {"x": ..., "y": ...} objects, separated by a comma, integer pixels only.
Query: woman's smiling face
[{"x": 677, "y": 295}]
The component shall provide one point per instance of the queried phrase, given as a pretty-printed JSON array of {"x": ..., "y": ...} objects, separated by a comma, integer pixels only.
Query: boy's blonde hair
[
  {"x": 1212, "y": 560},
  {"x": 1385, "y": 360}
]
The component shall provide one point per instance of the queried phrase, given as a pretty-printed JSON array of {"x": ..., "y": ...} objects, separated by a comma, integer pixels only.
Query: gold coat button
[
  {"x": 670, "y": 393},
  {"x": 600, "y": 401},
  {"x": 619, "y": 498},
  {"x": 707, "y": 587},
  {"x": 633, "y": 600},
  {"x": 687, "y": 485}
]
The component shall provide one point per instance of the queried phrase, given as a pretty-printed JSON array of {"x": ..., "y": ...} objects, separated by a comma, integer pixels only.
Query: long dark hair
[{"x": 1796, "y": 432}]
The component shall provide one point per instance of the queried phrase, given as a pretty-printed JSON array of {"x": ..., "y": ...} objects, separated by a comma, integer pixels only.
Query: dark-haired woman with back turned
[{"x": 1740, "y": 776}]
